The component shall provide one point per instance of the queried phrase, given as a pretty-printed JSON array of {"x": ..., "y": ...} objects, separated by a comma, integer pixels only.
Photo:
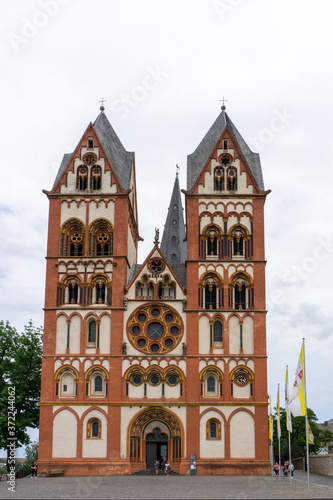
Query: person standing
[
  {"x": 167, "y": 469},
  {"x": 276, "y": 469},
  {"x": 34, "y": 469},
  {"x": 157, "y": 464}
]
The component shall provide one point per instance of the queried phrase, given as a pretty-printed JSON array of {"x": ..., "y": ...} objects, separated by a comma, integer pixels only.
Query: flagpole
[
  {"x": 306, "y": 420},
  {"x": 289, "y": 456},
  {"x": 279, "y": 433}
]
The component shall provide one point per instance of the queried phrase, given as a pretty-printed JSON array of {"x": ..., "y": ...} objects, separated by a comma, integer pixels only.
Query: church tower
[{"x": 165, "y": 359}]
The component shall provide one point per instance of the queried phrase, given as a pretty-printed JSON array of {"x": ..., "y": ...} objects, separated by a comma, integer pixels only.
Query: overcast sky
[{"x": 163, "y": 68}]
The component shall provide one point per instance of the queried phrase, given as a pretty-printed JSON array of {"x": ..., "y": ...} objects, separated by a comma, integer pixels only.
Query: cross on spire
[
  {"x": 177, "y": 172},
  {"x": 223, "y": 100},
  {"x": 102, "y": 101}
]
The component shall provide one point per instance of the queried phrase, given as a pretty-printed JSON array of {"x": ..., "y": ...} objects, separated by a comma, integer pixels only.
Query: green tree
[
  {"x": 298, "y": 435},
  {"x": 20, "y": 368},
  {"x": 31, "y": 455}
]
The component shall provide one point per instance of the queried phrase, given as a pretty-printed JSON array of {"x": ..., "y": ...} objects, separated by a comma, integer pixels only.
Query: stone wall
[
  {"x": 322, "y": 464},
  {"x": 319, "y": 464}
]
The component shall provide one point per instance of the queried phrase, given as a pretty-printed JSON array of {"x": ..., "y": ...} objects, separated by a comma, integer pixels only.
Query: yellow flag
[
  {"x": 278, "y": 414},
  {"x": 286, "y": 397},
  {"x": 297, "y": 397},
  {"x": 310, "y": 435},
  {"x": 270, "y": 421}
]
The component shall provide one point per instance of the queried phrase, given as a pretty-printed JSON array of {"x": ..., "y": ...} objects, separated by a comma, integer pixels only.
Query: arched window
[
  {"x": 231, "y": 179},
  {"x": 100, "y": 238},
  {"x": 166, "y": 288},
  {"x": 72, "y": 236},
  {"x": 144, "y": 288},
  {"x": 94, "y": 428},
  {"x": 66, "y": 382},
  {"x": 92, "y": 333},
  {"x": 239, "y": 242},
  {"x": 96, "y": 382},
  {"x": 82, "y": 178},
  {"x": 72, "y": 290},
  {"x": 211, "y": 291},
  {"x": 95, "y": 177},
  {"x": 217, "y": 333},
  {"x": 211, "y": 242},
  {"x": 100, "y": 291},
  {"x": 213, "y": 429},
  {"x": 241, "y": 292},
  {"x": 211, "y": 383},
  {"x": 218, "y": 179}
]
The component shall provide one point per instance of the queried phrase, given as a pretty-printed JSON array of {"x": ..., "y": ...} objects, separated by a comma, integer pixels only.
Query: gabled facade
[{"x": 165, "y": 359}]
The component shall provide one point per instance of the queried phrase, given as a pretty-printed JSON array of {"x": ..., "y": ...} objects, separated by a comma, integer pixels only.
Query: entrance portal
[{"x": 156, "y": 448}]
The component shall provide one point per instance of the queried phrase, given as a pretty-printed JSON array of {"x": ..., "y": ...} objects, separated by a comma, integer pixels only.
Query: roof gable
[{"x": 198, "y": 159}]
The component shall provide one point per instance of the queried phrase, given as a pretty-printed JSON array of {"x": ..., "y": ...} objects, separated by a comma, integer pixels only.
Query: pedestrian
[
  {"x": 291, "y": 469},
  {"x": 167, "y": 469},
  {"x": 276, "y": 469},
  {"x": 34, "y": 469},
  {"x": 157, "y": 464}
]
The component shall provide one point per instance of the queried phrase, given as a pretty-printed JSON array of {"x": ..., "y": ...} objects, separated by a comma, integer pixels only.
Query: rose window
[
  {"x": 155, "y": 329},
  {"x": 89, "y": 158},
  {"x": 156, "y": 265}
]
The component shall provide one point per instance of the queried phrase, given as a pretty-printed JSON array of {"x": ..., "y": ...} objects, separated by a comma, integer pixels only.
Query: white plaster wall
[
  {"x": 234, "y": 335},
  {"x": 204, "y": 335},
  {"x": 154, "y": 391},
  {"x": 79, "y": 212},
  {"x": 75, "y": 334},
  {"x": 61, "y": 335},
  {"x": 172, "y": 391},
  {"x": 64, "y": 437},
  {"x": 241, "y": 392},
  {"x": 248, "y": 342},
  {"x": 151, "y": 426},
  {"x": 242, "y": 437},
  {"x": 105, "y": 334},
  {"x": 94, "y": 447},
  {"x": 210, "y": 448},
  {"x": 101, "y": 211},
  {"x": 135, "y": 391}
]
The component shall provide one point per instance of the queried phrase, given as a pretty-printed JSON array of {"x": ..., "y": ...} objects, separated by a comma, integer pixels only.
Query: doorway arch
[{"x": 137, "y": 437}]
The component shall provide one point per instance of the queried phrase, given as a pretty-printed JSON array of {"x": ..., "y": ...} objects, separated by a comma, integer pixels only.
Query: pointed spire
[{"x": 173, "y": 245}]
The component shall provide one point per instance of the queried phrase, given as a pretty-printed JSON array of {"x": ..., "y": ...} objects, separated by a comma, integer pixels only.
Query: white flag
[{"x": 286, "y": 397}]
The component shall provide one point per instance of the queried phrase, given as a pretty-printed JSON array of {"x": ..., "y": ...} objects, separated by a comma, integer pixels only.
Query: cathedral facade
[{"x": 164, "y": 360}]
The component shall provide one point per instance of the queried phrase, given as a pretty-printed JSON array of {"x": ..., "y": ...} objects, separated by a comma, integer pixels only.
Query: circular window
[
  {"x": 76, "y": 237},
  {"x": 137, "y": 379},
  {"x": 156, "y": 265},
  {"x": 154, "y": 379},
  {"x": 89, "y": 158},
  {"x": 174, "y": 330},
  {"x": 172, "y": 379},
  {"x": 155, "y": 328},
  {"x": 102, "y": 237},
  {"x": 168, "y": 317}
]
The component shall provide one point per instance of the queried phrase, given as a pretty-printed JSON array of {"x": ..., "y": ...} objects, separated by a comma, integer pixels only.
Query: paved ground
[{"x": 173, "y": 487}]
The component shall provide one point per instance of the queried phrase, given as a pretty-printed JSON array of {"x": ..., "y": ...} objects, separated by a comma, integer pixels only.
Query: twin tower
[{"x": 165, "y": 359}]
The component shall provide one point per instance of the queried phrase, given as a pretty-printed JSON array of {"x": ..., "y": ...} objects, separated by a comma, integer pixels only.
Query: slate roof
[
  {"x": 197, "y": 160},
  {"x": 120, "y": 159},
  {"x": 62, "y": 167},
  {"x": 173, "y": 245}
]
